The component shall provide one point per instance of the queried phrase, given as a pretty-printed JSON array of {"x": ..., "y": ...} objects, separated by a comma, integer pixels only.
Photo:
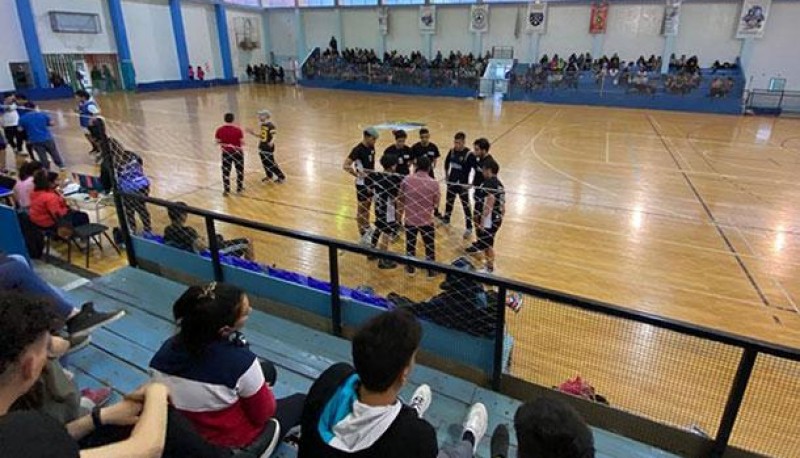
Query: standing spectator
[
  {"x": 353, "y": 412},
  {"x": 87, "y": 110},
  {"x": 131, "y": 179},
  {"x": 201, "y": 75},
  {"x": 97, "y": 78},
  {"x": 230, "y": 138},
  {"x": 361, "y": 163},
  {"x": 334, "y": 46},
  {"x": 14, "y": 136},
  {"x": 191, "y": 73},
  {"x": 108, "y": 78},
  {"x": 419, "y": 195},
  {"x": 492, "y": 212},
  {"x": 36, "y": 125},
  {"x": 424, "y": 147},
  {"x": 546, "y": 428},
  {"x": 266, "y": 147},
  {"x": 249, "y": 72},
  {"x": 457, "y": 164}
]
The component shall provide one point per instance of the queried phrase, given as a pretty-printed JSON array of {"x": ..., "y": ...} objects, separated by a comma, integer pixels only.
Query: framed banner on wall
[
  {"x": 479, "y": 18},
  {"x": 427, "y": 19},
  {"x": 753, "y": 18},
  {"x": 672, "y": 18},
  {"x": 537, "y": 18},
  {"x": 599, "y": 19},
  {"x": 383, "y": 20}
]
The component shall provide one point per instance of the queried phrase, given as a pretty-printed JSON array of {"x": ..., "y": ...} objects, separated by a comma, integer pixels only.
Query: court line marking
[
  {"x": 608, "y": 145},
  {"x": 722, "y": 234}
]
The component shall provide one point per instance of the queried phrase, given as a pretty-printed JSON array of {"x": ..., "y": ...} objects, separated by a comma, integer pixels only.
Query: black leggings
[
  {"x": 15, "y": 138},
  {"x": 228, "y": 161},
  {"x": 463, "y": 194},
  {"x": 270, "y": 166},
  {"x": 428, "y": 238}
]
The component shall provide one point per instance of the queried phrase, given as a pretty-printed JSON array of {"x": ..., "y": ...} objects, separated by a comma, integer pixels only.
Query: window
[
  {"x": 403, "y": 2},
  {"x": 64, "y": 22},
  {"x": 358, "y": 2},
  {"x": 254, "y": 3},
  {"x": 313, "y": 3},
  {"x": 450, "y": 2},
  {"x": 278, "y": 3}
]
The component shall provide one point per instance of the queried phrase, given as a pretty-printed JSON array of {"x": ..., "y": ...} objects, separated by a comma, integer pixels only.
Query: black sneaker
[
  {"x": 500, "y": 441},
  {"x": 77, "y": 343},
  {"x": 384, "y": 264},
  {"x": 410, "y": 271},
  {"x": 88, "y": 319},
  {"x": 472, "y": 249},
  {"x": 432, "y": 274}
]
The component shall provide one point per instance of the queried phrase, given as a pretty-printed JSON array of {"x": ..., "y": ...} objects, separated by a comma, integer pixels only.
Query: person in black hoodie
[
  {"x": 355, "y": 412},
  {"x": 457, "y": 164}
]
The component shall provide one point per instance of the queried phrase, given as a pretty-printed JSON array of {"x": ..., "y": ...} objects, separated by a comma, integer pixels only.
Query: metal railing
[
  {"x": 748, "y": 350},
  {"x": 773, "y": 101}
]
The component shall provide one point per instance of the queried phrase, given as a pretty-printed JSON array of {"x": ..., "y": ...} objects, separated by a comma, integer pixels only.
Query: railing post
[
  {"x": 213, "y": 246},
  {"x": 336, "y": 300},
  {"x": 499, "y": 338},
  {"x": 123, "y": 227},
  {"x": 735, "y": 398}
]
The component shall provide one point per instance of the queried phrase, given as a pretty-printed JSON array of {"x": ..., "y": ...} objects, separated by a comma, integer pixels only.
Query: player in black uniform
[
  {"x": 457, "y": 164},
  {"x": 361, "y": 163},
  {"x": 266, "y": 147},
  {"x": 387, "y": 221},
  {"x": 424, "y": 147},
  {"x": 480, "y": 148},
  {"x": 401, "y": 151},
  {"x": 493, "y": 210}
]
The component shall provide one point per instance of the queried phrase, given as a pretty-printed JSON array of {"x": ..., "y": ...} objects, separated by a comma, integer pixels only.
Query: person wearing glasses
[{"x": 215, "y": 380}]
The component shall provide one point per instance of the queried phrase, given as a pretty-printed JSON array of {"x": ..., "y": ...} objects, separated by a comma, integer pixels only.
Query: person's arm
[
  {"x": 257, "y": 400},
  {"x": 447, "y": 163},
  {"x": 56, "y": 206},
  {"x": 348, "y": 166},
  {"x": 150, "y": 430},
  {"x": 491, "y": 200}
]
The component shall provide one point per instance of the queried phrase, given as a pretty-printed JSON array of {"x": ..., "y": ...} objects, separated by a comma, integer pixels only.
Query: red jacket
[{"x": 46, "y": 208}]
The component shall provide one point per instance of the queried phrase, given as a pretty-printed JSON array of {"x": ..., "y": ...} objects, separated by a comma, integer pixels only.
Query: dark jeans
[
  {"x": 43, "y": 149},
  {"x": 228, "y": 161},
  {"x": 428, "y": 238},
  {"x": 16, "y": 274},
  {"x": 132, "y": 207},
  {"x": 462, "y": 192},
  {"x": 270, "y": 166},
  {"x": 15, "y": 138}
]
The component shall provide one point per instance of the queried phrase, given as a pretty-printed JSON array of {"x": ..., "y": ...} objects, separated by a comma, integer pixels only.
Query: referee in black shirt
[
  {"x": 361, "y": 163},
  {"x": 480, "y": 148}
]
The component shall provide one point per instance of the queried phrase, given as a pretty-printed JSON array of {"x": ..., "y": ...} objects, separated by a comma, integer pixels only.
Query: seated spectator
[
  {"x": 17, "y": 275},
  {"x": 25, "y": 338},
  {"x": 215, "y": 380},
  {"x": 546, "y": 428},
  {"x": 717, "y": 88},
  {"x": 179, "y": 235},
  {"x": 48, "y": 208},
  {"x": 24, "y": 186},
  {"x": 355, "y": 412}
]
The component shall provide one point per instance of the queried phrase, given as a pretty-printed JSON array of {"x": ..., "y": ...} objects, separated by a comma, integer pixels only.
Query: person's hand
[{"x": 123, "y": 413}]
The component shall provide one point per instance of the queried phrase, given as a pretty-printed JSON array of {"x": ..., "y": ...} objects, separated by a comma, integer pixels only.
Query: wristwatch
[{"x": 96, "y": 420}]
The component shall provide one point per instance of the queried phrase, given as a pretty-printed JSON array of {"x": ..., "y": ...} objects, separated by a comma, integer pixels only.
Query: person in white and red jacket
[{"x": 215, "y": 380}]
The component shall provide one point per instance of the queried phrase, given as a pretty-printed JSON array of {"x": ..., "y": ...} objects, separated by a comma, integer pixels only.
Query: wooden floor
[{"x": 692, "y": 217}]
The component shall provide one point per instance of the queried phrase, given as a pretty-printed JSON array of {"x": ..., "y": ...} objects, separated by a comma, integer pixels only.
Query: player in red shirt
[{"x": 230, "y": 138}]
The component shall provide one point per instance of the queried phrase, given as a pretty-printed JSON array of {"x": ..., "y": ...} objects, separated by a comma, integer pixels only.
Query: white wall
[
  {"x": 282, "y": 33},
  {"x": 241, "y": 58},
  {"x": 776, "y": 55},
  {"x": 404, "y": 36},
  {"x": 452, "y": 30},
  {"x": 12, "y": 48},
  {"x": 634, "y": 30},
  {"x": 502, "y": 22},
  {"x": 360, "y": 28},
  {"x": 567, "y": 31},
  {"x": 320, "y": 26},
  {"x": 154, "y": 55},
  {"x": 708, "y": 30},
  {"x": 202, "y": 40},
  {"x": 73, "y": 43}
]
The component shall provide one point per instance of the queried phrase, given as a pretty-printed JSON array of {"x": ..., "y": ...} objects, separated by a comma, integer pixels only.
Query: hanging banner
[
  {"x": 427, "y": 19},
  {"x": 672, "y": 18},
  {"x": 599, "y": 18},
  {"x": 479, "y": 18},
  {"x": 537, "y": 18},
  {"x": 753, "y": 18},
  {"x": 383, "y": 21}
]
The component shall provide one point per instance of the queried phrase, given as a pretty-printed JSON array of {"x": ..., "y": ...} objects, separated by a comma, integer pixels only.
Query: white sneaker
[
  {"x": 366, "y": 238},
  {"x": 421, "y": 399},
  {"x": 476, "y": 422}
]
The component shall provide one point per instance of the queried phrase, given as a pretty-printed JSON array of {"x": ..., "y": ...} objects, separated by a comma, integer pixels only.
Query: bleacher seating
[{"x": 120, "y": 353}]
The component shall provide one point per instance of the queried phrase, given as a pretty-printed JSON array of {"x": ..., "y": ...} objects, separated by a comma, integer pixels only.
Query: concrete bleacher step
[{"x": 120, "y": 354}]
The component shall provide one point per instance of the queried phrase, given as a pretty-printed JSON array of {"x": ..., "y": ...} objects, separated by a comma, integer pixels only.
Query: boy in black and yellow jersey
[{"x": 266, "y": 147}]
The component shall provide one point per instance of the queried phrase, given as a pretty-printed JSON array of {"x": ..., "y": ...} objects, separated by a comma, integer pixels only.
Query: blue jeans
[{"x": 16, "y": 274}]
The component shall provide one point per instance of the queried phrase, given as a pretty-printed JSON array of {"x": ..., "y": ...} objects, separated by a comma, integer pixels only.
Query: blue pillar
[
  {"x": 339, "y": 29},
  {"x": 477, "y": 44},
  {"x": 28, "y": 25},
  {"x": 180, "y": 37},
  {"x": 597, "y": 45},
  {"x": 224, "y": 41},
  {"x": 300, "y": 29},
  {"x": 427, "y": 45},
  {"x": 745, "y": 54},
  {"x": 669, "y": 49},
  {"x": 123, "y": 49}
]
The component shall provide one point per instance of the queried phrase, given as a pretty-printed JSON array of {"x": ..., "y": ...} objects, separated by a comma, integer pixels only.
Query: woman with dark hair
[
  {"x": 48, "y": 206},
  {"x": 24, "y": 186},
  {"x": 215, "y": 380}
]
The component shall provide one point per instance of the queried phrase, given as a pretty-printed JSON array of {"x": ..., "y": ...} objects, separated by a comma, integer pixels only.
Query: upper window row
[{"x": 313, "y": 3}]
